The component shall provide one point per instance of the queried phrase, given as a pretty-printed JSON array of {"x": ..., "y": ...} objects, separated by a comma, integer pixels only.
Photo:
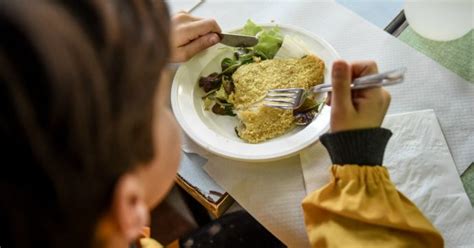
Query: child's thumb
[{"x": 341, "y": 89}]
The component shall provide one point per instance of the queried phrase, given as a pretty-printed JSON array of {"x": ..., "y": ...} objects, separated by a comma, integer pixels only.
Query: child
[{"x": 89, "y": 145}]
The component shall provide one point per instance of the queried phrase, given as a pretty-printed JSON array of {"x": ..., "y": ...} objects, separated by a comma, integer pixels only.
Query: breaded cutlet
[{"x": 252, "y": 82}]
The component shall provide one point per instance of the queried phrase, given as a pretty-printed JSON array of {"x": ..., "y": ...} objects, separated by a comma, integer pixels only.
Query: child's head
[{"x": 87, "y": 142}]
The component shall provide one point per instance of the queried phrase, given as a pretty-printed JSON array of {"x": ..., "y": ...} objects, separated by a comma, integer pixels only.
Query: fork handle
[{"x": 376, "y": 80}]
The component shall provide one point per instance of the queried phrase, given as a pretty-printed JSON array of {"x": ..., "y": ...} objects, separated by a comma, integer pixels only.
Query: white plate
[{"x": 216, "y": 133}]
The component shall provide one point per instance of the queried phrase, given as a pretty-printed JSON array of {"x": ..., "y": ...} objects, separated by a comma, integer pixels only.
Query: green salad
[{"x": 219, "y": 86}]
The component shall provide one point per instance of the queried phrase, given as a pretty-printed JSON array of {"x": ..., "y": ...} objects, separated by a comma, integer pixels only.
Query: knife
[{"x": 237, "y": 40}]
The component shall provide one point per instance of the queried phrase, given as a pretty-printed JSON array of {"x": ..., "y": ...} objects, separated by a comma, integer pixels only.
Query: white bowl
[{"x": 216, "y": 133}]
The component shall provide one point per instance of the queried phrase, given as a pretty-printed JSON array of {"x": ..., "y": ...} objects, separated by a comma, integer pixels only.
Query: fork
[{"x": 293, "y": 98}]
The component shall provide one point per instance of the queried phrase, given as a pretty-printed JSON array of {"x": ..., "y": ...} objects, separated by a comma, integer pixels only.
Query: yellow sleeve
[
  {"x": 361, "y": 207},
  {"x": 149, "y": 243},
  {"x": 146, "y": 242}
]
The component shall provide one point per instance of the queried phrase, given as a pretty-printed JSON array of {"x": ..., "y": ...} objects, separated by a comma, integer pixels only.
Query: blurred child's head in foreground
[{"x": 87, "y": 142}]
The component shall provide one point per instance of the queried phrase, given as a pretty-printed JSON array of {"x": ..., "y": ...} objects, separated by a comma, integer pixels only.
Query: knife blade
[{"x": 237, "y": 40}]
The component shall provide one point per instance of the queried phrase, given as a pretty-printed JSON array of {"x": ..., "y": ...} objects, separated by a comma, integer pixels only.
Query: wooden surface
[{"x": 216, "y": 209}]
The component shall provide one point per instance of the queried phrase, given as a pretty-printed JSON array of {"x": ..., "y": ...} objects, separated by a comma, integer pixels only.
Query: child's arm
[{"x": 361, "y": 207}]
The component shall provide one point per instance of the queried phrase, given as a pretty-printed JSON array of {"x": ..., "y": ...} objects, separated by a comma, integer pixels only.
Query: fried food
[{"x": 252, "y": 82}]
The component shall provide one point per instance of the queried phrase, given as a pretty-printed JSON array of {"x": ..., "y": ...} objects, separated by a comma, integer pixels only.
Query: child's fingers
[
  {"x": 372, "y": 100},
  {"x": 189, "y": 50},
  {"x": 363, "y": 68}
]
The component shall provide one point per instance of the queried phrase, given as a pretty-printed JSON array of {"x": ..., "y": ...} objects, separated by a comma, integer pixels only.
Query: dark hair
[{"x": 77, "y": 86}]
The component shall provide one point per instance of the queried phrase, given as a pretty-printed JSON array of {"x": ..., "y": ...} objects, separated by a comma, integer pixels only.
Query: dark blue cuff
[{"x": 361, "y": 146}]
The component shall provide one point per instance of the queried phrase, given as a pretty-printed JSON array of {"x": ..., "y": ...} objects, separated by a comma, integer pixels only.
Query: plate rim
[{"x": 251, "y": 158}]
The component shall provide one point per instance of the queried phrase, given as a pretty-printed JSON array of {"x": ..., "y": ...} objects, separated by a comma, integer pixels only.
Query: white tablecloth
[
  {"x": 428, "y": 85},
  {"x": 273, "y": 196}
]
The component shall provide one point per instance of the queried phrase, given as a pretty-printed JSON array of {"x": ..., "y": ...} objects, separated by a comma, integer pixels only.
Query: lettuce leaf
[
  {"x": 269, "y": 40},
  {"x": 251, "y": 28}
]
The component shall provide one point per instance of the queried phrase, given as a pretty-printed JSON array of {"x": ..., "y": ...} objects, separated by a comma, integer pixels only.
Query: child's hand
[
  {"x": 358, "y": 109},
  {"x": 191, "y": 35}
]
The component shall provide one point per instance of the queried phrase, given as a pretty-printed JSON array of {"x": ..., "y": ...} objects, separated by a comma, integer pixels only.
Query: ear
[{"x": 129, "y": 207}]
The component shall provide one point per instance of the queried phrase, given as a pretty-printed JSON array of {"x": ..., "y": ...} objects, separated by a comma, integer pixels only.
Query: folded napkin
[{"x": 421, "y": 167}]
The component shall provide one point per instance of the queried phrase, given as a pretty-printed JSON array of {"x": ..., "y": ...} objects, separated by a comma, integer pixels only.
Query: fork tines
[{"x": 283, "y": 98}]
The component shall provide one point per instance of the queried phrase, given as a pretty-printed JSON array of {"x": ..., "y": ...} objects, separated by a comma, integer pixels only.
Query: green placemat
[
  {"x": 467, "y": 179},
  {"x": 456, "y": 55}
]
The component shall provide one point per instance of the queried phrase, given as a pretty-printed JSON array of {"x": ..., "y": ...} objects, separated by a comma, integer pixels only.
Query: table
[
  {"x": 210, "y": 205},
  {"x": 385, "y": 14}
]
